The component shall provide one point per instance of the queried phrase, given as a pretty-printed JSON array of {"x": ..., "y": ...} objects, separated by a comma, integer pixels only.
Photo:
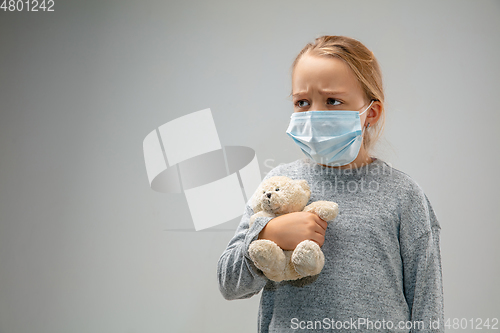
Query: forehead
[{"x": 323, "y": 72}]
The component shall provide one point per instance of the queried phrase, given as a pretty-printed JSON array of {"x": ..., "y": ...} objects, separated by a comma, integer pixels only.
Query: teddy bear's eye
[
  {"x": 263, "y": 191},
  {"x": 277, "y": 189}
]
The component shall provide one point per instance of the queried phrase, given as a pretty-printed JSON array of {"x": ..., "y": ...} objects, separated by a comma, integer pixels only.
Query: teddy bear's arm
[{"x": 326, "y": 210}]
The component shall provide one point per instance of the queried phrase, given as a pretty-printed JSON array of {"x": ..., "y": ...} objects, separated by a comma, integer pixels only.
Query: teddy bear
[{"x": 280, "y": 195}]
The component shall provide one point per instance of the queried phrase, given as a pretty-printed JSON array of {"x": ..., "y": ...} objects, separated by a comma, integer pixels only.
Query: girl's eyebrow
[{"x": 324, "y": 92}]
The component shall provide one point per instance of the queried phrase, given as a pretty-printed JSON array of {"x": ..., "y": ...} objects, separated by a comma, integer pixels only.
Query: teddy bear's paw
[
  {"x": 308, "y": 259},
  {"x": 268, "y": 257},
  {"x": 326, "y": 210}
]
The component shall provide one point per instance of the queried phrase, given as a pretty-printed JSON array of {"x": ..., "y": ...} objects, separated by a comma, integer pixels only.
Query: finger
[
  {"x": 319, "y": 229},
  {"x": 312, "y": 220},
  {"x": 318, "y": 238},
  {"x": 318, "y": 235},
  {"x": 320, "y": 222}
]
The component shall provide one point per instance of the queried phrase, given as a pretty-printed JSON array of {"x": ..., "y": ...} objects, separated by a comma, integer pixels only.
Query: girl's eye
[
  {"x": 335, "y": 100},
  {"x": 331, "y": 101},
  {"x": 299, "y": 103}
]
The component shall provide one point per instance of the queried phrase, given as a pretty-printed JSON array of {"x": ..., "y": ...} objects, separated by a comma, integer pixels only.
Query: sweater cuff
[{"x": 253, "y": 233}]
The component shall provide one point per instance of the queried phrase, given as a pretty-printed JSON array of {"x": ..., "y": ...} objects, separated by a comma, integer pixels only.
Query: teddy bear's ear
[{"x": 304, "y": 185}]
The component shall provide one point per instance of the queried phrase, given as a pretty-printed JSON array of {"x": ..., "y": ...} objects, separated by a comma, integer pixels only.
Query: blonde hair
[{"x": 365, "y": 66}]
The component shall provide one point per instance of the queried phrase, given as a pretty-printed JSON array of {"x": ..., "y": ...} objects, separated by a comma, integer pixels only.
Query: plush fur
[{"x": 277, "y": 196}]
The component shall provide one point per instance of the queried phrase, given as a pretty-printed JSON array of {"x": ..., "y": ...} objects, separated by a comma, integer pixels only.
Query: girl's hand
[{"x": 288, "y": 230}]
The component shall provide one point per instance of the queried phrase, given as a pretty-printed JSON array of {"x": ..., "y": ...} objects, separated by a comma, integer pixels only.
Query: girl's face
[
  {"x": 321, "y": 83},
  {"x": 326, "y": 83}
]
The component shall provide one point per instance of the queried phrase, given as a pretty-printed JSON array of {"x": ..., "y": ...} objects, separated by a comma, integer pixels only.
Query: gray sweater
[{"x": 382, "y": 258}]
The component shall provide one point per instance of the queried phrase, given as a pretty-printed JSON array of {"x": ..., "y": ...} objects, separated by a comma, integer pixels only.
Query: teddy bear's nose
[{"x": 268, "y": 194}]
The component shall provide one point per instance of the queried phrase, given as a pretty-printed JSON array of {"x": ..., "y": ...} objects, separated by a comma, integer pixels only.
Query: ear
[
  {"x": 374, "y": 114},
  {"x": 303, "y": 183}
]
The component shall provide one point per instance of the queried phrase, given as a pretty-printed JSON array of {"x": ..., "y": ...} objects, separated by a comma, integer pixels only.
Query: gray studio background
[{"x": 84, "y": 241}]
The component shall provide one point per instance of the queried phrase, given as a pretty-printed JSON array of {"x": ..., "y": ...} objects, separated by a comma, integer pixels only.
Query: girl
[{"x": 382, "y": 253}]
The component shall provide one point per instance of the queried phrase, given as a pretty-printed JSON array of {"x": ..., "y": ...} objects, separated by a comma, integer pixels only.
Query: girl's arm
[
  {"x": 237, "y": 275},
  {"x": 422, "y": 272}
]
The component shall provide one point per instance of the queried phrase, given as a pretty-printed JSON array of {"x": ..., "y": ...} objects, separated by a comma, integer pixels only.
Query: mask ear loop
[
  {"x": 367, "y": 107},
  {"x": 363, "y": 132}
]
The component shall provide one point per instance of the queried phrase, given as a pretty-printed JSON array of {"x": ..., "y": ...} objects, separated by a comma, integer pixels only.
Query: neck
[{"x": 361, "y": 160}]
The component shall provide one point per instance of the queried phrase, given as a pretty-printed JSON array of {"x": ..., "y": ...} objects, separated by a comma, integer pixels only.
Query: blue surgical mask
[{"x": 328, "y": 137}]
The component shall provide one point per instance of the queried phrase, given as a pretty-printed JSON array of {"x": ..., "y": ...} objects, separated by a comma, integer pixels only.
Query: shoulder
[
  {"x": 412, "y": 201},
  {"x": 400, "y": 182}
]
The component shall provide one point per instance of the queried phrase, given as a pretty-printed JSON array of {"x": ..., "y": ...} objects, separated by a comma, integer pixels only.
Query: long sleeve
[
  {"x": 237, "y": 275},
  {"x": 422, "y": 272}
]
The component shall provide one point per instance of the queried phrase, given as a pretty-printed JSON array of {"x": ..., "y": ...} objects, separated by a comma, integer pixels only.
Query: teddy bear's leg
[
  {"x": 308, "y": 259},
  {"x": 269, "y": 258},
  {"x": 326, "y": 210}
]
